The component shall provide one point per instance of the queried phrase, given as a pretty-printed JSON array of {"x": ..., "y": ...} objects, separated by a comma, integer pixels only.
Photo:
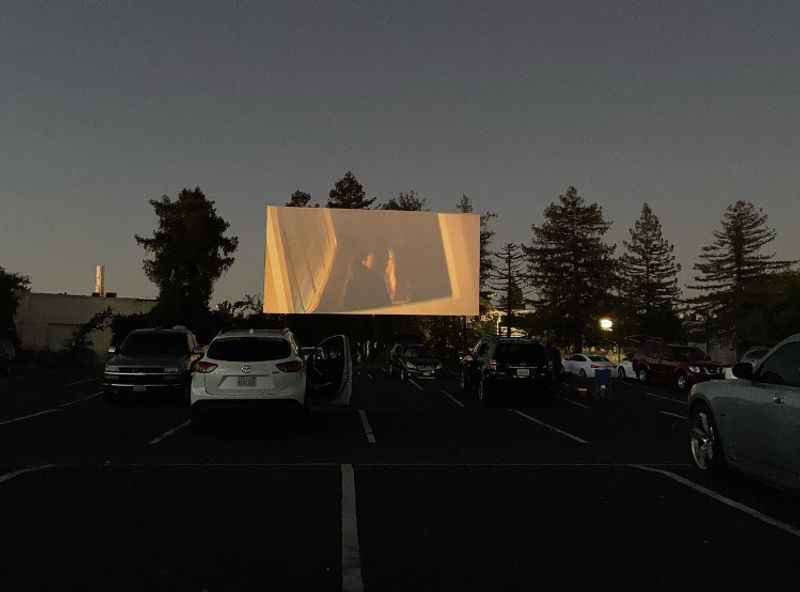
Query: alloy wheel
[{"x": 703, "y": 440}]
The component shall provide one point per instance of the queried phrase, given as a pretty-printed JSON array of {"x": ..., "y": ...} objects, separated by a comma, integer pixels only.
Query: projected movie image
[{"x": 320, "y": 260}]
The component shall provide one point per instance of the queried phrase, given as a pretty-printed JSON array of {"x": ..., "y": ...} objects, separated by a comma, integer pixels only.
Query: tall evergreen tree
[
  {"x": 299, "y": 199},
  {"x": 734, "y": 262},
  {"x": 464, "y": 205},
  {"x": 409, "y": 202},
  {"x": 505, "y": 281},
  {"x": 570, "y": 267},
  {"x": 348, "y": 193},
  {"x": 649, "y": 277}
]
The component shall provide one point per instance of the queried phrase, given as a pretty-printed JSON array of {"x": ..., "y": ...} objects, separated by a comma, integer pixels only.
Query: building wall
[{"x": 47, "y": 321}]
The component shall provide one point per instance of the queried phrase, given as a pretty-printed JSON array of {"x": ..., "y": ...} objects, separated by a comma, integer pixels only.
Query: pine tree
[
  {"x": 734, "y": 262},
  {"x": 299, "y": 199},
  {"x": 348, "y": 193},
  {"x": 649, "y": 277},
  {"x": 506, "y": 279},
  {"x": 464, "y": 205},
  {"x": 570, "y": 267},
  {"x": 408, "y": 202}
]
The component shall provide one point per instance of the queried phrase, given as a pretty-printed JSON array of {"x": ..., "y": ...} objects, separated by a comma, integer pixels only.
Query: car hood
[
  {"x": 423, "y": 361},
  {"x": 151, "y": 361}
]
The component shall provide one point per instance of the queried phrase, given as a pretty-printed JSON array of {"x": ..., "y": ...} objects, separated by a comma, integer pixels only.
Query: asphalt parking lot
[{"x": 416, "y": 486}]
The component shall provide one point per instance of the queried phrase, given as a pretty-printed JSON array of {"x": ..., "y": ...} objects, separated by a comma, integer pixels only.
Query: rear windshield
[
  {"x": 599, "y": 359},
  {"x": 519, "y": 353},
  {"x": 155, "y": 344},
  {"x": 249, "y": 349},
  {"x": 417, "y": 352}
]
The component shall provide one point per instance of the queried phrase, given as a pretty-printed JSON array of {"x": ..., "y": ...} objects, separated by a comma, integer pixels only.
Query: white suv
[{"x": 249, "y": 366}]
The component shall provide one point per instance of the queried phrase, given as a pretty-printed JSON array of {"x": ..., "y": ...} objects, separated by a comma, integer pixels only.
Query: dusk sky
[{"x": 686, "y": 105}]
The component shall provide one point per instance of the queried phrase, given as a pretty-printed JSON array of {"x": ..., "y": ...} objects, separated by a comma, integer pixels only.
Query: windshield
[
  {"x": 417, "y": 352},
  {"x": 249, "y": 349},
  {"x": 688, "y": 354},
  {"x": 520, "y": 353},
  {"x": 599, "y": 359},
  {"x": 155, "y": 344}
]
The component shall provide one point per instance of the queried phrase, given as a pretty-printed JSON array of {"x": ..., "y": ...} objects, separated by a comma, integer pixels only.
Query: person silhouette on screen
[{"x": 367, "y": 288}]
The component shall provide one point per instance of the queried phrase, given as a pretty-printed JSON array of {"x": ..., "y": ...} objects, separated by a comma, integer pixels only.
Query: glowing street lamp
[{"x": 606, "y": 324}]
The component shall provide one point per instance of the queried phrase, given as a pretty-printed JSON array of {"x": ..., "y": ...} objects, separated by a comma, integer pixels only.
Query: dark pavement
[{"x": 450, "y": 496}]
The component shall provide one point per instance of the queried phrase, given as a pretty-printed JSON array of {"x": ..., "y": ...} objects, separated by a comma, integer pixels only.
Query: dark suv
[
  {"x": 678, "y": 365},
  {"x": 412, "y": 361},
  {"x": 506, "y": 365},
  {"x": 151, "y": 361}
]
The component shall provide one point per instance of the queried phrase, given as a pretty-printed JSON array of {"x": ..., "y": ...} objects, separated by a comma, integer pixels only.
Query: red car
[{"x": 678, "y": 365}]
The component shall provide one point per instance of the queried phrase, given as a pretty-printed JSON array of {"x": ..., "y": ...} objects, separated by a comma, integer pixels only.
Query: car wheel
[
  {"x": 403, "y": 375},
  {"x": 582, "y": 373},
  {"x": 621, "y": 373},
  {"x": 704, "y": 443},
  {"x": 681, "y": 382},
  {"x": 642, "y": 375}
]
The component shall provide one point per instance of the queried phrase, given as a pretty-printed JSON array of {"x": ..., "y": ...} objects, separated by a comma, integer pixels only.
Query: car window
[
  {"x": 249, "y": 349},
  {"x": 155, "y": 344},
  {"x": 599, "y": 359},
  {"x": 484, "y": 347},
  {"x": 687, "y": 354},
  {"x": 577, "y": 358},
  {"x": 782, "y": 367},
  {"x": 518, "y": 353},
  {"x": 417, "y": 352}
]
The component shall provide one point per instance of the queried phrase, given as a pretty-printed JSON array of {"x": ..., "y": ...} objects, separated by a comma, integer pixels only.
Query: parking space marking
[
  {"x": 168, "y": 433},
  {"x": 29, "y": 416},
  {"x": 81, "y": 400},
  {"x": 366, "y": 426},
  {"x": 549, "y": 427},
  {"x": 678, "y": 415},
  {"x": 412, "y": 381},
  {"x": 351, "y": 555},
  {"x": 9, "y": 476},
  {"x": 82, "y": 381},
  {"x": 452, "y": 398},
  {"x": 573, "y": 402},
  {"x": 724, "y": 500},
  {"x": 670, "y": 399}
]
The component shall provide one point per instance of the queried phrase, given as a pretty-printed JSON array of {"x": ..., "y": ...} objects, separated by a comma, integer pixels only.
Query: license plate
[
  {"x": 523, "y": 372},
  {"x": 246, "y": 381},
  {"x": 428, "y": 374},
  {"x": 139, "y": 389}
]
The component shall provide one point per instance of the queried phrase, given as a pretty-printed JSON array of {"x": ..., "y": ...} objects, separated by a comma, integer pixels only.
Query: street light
[{"x": 606, "y": 324}]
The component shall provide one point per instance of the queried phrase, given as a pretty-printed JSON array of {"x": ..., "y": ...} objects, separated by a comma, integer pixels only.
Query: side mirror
[
  {"x": 743, "y": 371},
  {"x": 112, "y": 350}
]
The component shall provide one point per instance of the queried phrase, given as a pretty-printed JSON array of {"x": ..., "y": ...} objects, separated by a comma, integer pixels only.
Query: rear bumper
[
  {"x": 513, "y": 385},
  {"x": 200, "y": 396}
]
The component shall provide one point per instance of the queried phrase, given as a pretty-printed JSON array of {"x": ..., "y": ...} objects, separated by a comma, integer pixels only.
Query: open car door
[{"x": 330, "y": 373}]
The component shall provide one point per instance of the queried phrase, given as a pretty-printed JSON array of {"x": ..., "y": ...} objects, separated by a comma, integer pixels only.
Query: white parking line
[
  {"x": 670, "y": 399},
  {"x": 367, "y": 427},
  {"x": 168, "y": 433},
  {"x": 76, "y": 401},
  {"x": 412, "y": 381},
  {"x": 678, "y": 415},
  {"x": 351, "y": 555},
  {"x": 573, "y": 402},
  {"x": 9, "y": 476},
  {"x": 82, "y": 381},
  {"x": 549, "y": 427},
  {"x": 725, "y": 500},
  {"x": 29, "y": 416},
  {"x": 452, "y": 398}
]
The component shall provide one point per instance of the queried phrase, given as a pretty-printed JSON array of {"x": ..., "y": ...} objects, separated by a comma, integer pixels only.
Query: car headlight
[
  {"x": 171, "y": 370},
  {"x": 112, "y": 368},
  {"x": 411, "y": 365},
  {"x": 695, "y": 369},
  {"x": 439, "y": 366}
]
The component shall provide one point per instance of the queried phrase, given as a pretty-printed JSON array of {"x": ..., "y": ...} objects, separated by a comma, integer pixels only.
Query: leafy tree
[
  {"x": 409, "y": 202},
  {"x": 464, "y": 204},
  {"x": 649, "y": 278},
  {"x": 505, "y": 280},
  {"x": 11, "y": 287},
  {"x": 190, "y": 251},
  {"x": 570, "y": 267},
  {"x": 734, "y": 262},
  {"x": 299, "y": 199},
  {"x": 80, "y": 343},
  {"x": 349, "y": 193}
]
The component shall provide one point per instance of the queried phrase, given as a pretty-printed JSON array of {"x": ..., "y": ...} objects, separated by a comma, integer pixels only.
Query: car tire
[
  {"x": 643, "y": 376},
  {"x": 705, "y": 446},
  {"x": 621, "y": 373},
  {"x": 582, "y": 373},
  {"x": 681, "y": 382},
  {"x": 403, "y": 375}
]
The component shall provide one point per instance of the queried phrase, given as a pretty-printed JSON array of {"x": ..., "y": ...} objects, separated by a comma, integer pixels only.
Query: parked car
[
  {"x": 752, "y": 424},
  {"x": 500, "y": 365},
  {"x": 246, "y": 368},
  {"x": 678, "y": 365},
  {"x": 584, "y": 365},
  {"x": 412, "y": 361},
  {"x": 152, "y": 361},
  {"x": 7, "y": 356},
  {"x": 625, "y": 369},
  {"x": 751, "y": 356}
]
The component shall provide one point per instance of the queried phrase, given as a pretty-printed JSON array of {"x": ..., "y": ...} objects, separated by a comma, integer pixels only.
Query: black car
[
  {"x": 412, "y": 361},
  {"x": 151, "y": 362},
  {"x": 506, "y": 365}
]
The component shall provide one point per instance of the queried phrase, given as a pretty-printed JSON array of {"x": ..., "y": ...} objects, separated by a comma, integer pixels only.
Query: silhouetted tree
[
  {"x": 299, "y": 199},
  {"x": 349, "y": 193},
  {"x": 409, "y": 202},
  {"x": 189, "y": 253},
  {"x": 570, "y": 267},
  {"x": 12, "y": 285},
  {"x": 505, "y": 280}
]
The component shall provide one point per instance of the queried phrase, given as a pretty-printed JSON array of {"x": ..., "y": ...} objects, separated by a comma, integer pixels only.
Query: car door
[
  {"x": 778, "y": 378},
  {"x": 330, "y": 374}
]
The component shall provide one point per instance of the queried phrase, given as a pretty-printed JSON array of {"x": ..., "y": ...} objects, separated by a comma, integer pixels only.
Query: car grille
[{"x": 142, "y": 370}]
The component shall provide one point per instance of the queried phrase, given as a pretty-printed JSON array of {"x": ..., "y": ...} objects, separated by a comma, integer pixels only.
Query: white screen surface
[{"x": 320, "y": 260}]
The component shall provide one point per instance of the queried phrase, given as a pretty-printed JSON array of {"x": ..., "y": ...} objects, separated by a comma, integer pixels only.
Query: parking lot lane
[
  {"x": 191, "y": 528},
  {"x": 386, "y": 393},
  {"x": 31, "y": 395},
  {"x": 485, "y": 528}
]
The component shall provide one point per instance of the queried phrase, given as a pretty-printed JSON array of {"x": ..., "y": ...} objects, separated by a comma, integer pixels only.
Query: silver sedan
[{"x": 752, "y": 424}]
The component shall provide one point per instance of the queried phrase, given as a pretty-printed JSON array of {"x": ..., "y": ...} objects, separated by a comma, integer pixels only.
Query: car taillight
[
  {"x": 294, "y": 366},
  {"x": 204, "y": 367},
  {"x": 492, "y": 365}
]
